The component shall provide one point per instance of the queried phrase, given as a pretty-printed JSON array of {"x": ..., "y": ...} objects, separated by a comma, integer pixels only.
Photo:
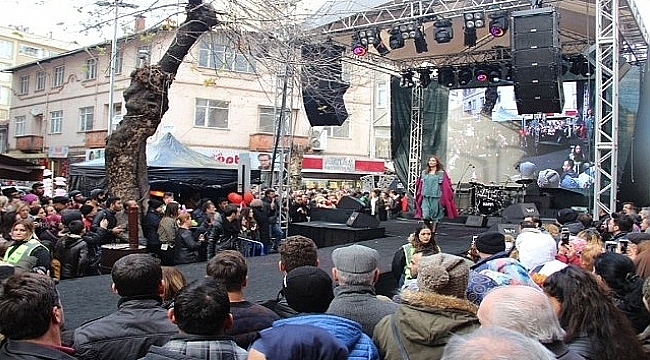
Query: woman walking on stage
[{"x": 434, "y": 194}]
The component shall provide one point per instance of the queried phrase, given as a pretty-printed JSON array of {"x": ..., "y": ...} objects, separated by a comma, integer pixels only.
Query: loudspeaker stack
[{"x": 536, "y": 61}]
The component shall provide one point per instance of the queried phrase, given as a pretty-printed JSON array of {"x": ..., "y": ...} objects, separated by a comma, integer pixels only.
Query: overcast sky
[{"x": 62, "y": 18}]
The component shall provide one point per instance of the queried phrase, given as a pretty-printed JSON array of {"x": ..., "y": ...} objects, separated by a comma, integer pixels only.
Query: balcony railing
[
  {"x": 29, "y": 143},
  {"x": 96, "y": 138}
]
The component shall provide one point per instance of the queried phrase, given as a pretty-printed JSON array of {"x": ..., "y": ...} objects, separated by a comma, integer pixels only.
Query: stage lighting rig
[
  {"x": 495, "y": 74},
  {"x": 443, "y": 32},
  {"x": 499, "y": 23},
  {"x": 482, "y": 74},
  {"x": 425, "y": 77},
  {"x": 396, "y": 40},
  {"x": 407, "y": 79},
  {"x": 358, "y": 48},
  {"x": 474, "y": 19},
  {"x": 465, "y": 75},
  {"x": 447, "y": 76},
  {"x": 412, "y": 30}
]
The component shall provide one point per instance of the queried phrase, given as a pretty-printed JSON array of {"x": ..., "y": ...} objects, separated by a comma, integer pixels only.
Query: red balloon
[
  {"x": 234, "y": 198},
  {"x": 248, "y": 197}
]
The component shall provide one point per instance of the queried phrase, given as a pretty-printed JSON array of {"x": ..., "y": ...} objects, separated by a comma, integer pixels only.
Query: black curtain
[{"x": 434, "y": 125}]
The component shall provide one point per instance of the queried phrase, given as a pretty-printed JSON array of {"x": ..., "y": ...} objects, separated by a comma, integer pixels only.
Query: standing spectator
[
  {"x": 356, "y": 270},
  {"x": 186, "y": 249},
  {"x": 619, "y": 226},
  {"x": 272, "y": 209},
  {"x": 229, "y": 267},
  {"x": 114, "y": 205},
  {"x": 150, "y": 225},
  {"x": 167, "y": 229},
  {"x": 202, "y": 312},
  {"x": 421, "y": 240},
  {"x": 489, "y": 245},
  {"x": 174, "y": 281},
  {"x": 535, "y": 247},
  {"x": 299, "y": 209},
  {"x": 297, "y": 342},
  {"x": 262, "y": 219},
  {"x": 139, "y": 322},
  {"x": 31, "y": 318},
  {"x": 495, "y": 343},
  {"x": 427, "y": 318},
  {"x": 224, "y": 232},
  {"x": 72, "y": 251}
]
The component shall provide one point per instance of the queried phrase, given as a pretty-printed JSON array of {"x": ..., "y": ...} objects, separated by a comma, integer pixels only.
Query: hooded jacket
[
  {"x": 425, "y": 321},
  {"x": 72, "y": 251},
  {"x": 359, "y": 345}
]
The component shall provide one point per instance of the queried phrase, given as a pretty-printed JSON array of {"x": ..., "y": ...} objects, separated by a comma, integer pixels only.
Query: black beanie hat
[
  {"x": 308, "y": 289},
  {"x": 491, "y": 242},
  {"x": 566, "y": 215}
]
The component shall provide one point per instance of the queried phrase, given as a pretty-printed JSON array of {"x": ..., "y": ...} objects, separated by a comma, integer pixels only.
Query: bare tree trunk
[{"x": 146, "y": 102}]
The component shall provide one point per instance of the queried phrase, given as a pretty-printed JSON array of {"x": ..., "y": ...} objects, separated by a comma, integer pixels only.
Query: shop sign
[
  {"x": 339, "y": 164},
  {"x": 57, "y": 152}
]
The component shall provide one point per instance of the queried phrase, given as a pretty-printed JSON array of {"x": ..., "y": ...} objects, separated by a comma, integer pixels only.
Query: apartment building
[
  {"x": 19, "y": 46},
  {"x": 221, "y": 104}
]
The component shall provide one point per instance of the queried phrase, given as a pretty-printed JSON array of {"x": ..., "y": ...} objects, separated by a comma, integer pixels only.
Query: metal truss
[
  {"x": 606, "y": 109},
  {"x": 283, "y": 139},
  {"x": 394, "y": 12},
  {"x": 415, "y": 143}
]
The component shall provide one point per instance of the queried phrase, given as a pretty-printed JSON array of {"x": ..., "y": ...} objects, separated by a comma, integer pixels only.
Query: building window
[
  {"x": 4, "y": 114},
  {"x": 24, "y": 85},
  {"x": 86, "y": 117},
  {"x": 20, "y": 125},
  {"x": 382, "y": 95},
  {"x": 119, "y": 60},
  {"x": 342, "y": 131},
  {"x": 6, "y": 49},
  {"x": 56, "y": 120},
  {"x": 211, "y": 113},
  {"x": 267, "y": 119},
  {"x": 40, "y": 81},
  {"x": 30, "y": 51},
  {"x": 59, "y": 74},
  {"x": 4, "y": 95},
  {"x": 91, "y": 69},
  {"x": 219, "y": 52},
  {"x": 143, "y": 56}
]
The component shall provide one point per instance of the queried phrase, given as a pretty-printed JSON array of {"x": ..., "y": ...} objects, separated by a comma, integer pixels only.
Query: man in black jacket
[
  {"x": 150, "y": 225},
  {"x": 139, "y": 321},
  {"x": 31, "y": 318},
  {"x": 114, "y": 205},
  {"x": 223, "y": 232}
]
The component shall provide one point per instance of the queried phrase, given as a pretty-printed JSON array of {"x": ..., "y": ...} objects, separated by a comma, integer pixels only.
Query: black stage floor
[{"x": 91, "y": 297}]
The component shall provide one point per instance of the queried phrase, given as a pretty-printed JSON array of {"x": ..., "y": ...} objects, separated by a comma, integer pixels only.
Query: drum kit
[{"x": 491, "y": 199}]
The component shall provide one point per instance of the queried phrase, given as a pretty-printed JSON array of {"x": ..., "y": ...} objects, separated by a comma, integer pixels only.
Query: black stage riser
[{"x": 331, "y": 234}]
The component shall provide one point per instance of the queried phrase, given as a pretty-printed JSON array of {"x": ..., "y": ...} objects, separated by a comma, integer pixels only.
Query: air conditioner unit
[
  {"x": 319, "y": 143},
  {"x": 117, "y": 119}
]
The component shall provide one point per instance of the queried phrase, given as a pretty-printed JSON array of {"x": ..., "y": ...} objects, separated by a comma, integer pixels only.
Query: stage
[{"x": 327, "y": 234}]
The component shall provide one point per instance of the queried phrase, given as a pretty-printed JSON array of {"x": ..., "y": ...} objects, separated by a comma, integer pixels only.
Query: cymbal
[{"x": 476, "y": 183}]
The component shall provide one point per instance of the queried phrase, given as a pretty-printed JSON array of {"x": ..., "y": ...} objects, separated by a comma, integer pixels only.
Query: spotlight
[
  {"x": 407, "y": 79},
  {"x": 446, "y": 76},
  {"x": 396, "y": 40},
  {"x": 499, "y": 24},
  {"x": 358, "y": 48},
  {"x": 412, "y": 31},
  {"x": 369, "y": 36},
  {"x": 495, "y": 75},
  {"x": 475, "y": 19},
  {"x": 443, "y": 32},
  {"x": 374, "y": 37},
  {"x": 465, "y": 75},
  {"x": 482, "y": 74},
  {"x": 470, "y": 37},
  {"x": 425, "y": 77}
]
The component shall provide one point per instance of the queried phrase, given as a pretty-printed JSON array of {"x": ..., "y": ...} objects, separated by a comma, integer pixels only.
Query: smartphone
[
  {"x": 564, "y": 235},
  {"x": 624, "y": 243}
]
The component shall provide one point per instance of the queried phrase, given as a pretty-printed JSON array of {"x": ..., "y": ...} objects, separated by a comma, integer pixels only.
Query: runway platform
[{"x": 87, "y": 298}]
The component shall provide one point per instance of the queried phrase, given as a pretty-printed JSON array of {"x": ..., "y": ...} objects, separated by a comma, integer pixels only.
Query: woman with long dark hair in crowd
[
  {"x": 618, "y": 273},
  {"x": 167, "y": 229},
  {"x": 595, "y": 327},
  {"x": 420, "y": 241}
]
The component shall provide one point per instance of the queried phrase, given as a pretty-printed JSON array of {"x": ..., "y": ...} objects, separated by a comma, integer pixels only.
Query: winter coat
[
  {"x": 359, "y": 345},
  {"x": 426, "y": 321},
  {"x": 125, "y": 334},
  {"x": 197, "y": 347},
  {"x": 72, "y": 252},
  {"x": 186, "y": 249},
  {"x": 150, "y": 227},
  {"x": 25, "y": 350},
  {"x": 360, "y": 303}
]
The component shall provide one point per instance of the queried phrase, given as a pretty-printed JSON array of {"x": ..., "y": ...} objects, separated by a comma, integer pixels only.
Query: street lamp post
[{"x": 111, "y": 91}]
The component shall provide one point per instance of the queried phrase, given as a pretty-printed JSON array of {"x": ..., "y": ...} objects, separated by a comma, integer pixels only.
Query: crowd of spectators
[{"x": 570, "y": 289}]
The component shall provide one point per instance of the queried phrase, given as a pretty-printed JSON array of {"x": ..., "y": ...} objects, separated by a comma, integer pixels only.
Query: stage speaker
[
  {"x": 349, "y": 202},
  {"x": 476, "y": 221},
  {"x": 536, "y": 61},
  {"x": 506, "y": 229},
  {"x": 517, "y": 212},
  {"x": 361, "y": 221},
  {"x": 492, "y": 220}
]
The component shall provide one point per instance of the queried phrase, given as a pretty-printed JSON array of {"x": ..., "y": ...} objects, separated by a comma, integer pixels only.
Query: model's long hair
[
  {"x": 582, "y": 301},
  {"x": 439, "y": 165}
]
